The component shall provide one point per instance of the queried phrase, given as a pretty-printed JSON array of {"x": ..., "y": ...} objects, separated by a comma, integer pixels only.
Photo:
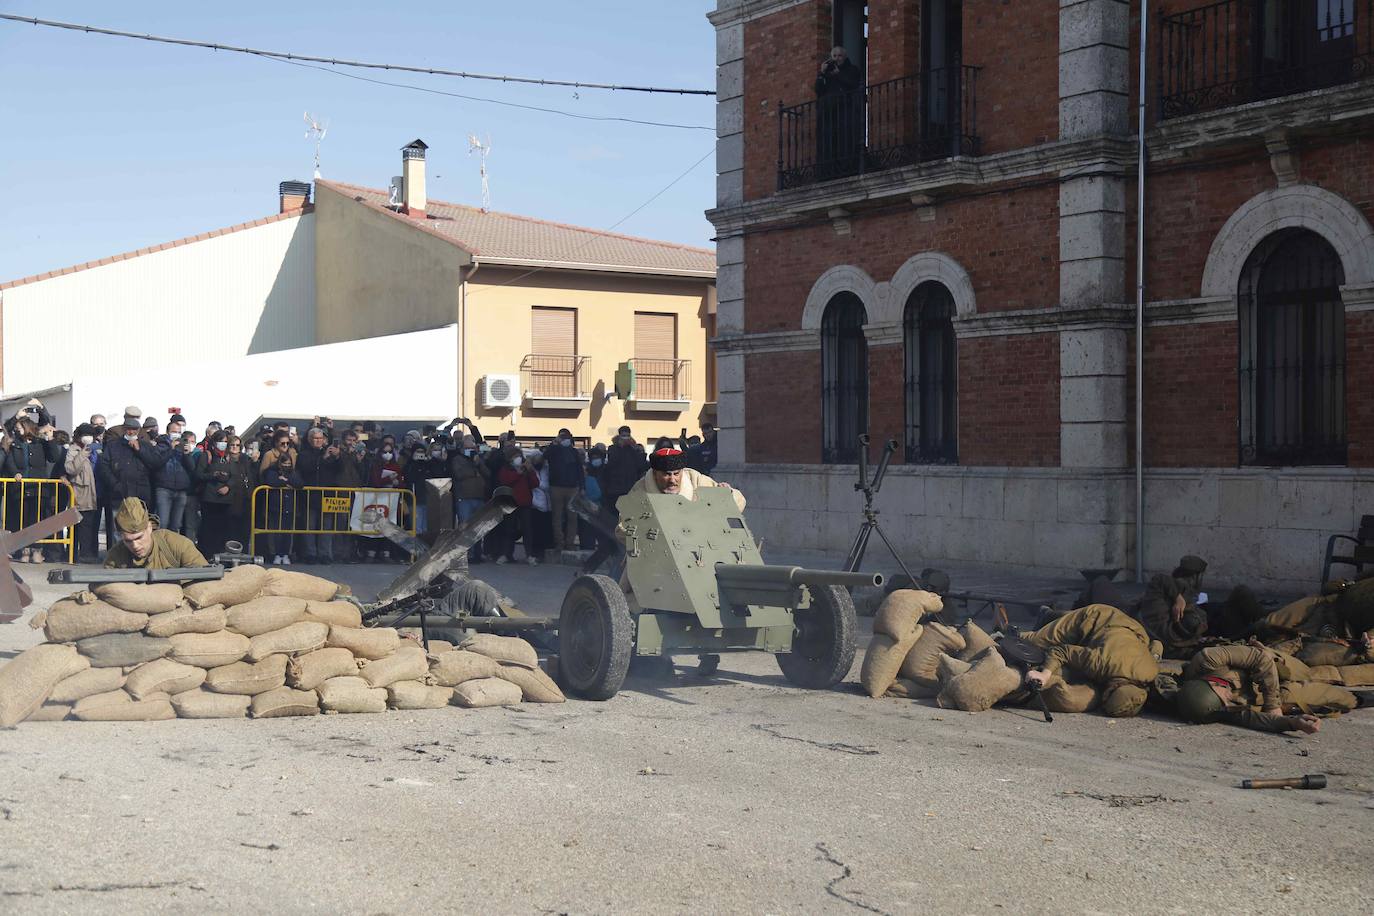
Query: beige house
[{"x": 546, "y": 312}]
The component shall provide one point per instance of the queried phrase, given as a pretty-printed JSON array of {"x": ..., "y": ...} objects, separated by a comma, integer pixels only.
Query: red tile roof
[
  {"x": 276, "y": 217},
  {"x": 496, "y": 238}
]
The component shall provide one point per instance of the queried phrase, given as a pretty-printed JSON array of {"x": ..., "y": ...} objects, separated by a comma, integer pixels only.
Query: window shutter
[
  {"x": 553, "y": 332},
  {"x": 655, "y": 335}
]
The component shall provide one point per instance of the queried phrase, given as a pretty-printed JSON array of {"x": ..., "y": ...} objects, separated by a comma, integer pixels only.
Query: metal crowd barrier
[
  {"x": 29, "y": 499},
  {"x": 326, "y": 511}
]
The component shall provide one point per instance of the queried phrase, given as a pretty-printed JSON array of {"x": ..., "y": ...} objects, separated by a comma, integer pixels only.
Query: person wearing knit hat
[
  {"x": 143, "y": 545},
  {"x": 668, "y": 473}
]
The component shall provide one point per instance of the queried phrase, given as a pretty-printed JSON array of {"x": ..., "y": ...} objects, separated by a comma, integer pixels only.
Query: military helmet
[{"x": 1197, "y": 701}]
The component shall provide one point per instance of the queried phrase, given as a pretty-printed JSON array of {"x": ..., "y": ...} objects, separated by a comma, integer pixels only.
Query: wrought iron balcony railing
[
  {"x": 1238, "y": 51},
  {"x": 932, "y": 115},
  {"x": 662, "y": 379},
  {"x": 544, "y": 375}
]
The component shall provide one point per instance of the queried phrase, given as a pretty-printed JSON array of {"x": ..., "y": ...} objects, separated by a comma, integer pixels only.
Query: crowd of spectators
[{"x": 202, "y": 486}]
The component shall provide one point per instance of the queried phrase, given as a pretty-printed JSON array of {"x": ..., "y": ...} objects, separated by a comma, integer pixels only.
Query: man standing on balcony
[{"x": 839, "y": 115}]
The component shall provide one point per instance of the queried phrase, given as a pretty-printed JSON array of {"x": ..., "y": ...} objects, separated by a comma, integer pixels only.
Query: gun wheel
[
  {"x": 823, "y": 644},
  {"x": 595, "y": 638}
]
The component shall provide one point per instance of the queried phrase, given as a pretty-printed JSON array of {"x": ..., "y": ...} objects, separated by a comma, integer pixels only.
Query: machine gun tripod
[{"x": 870, "y": 489}]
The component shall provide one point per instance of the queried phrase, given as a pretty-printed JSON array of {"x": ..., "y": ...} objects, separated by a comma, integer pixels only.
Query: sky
[{"x": 113, "y": 144}]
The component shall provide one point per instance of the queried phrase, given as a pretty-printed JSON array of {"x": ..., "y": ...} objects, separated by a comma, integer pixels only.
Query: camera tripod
[{"x": 869, "y": 489}]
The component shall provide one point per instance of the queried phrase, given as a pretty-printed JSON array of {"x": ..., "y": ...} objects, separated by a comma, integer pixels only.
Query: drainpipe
[
  {"x": 463, "y": 337},
  {"x": 1140, "y": 307}
]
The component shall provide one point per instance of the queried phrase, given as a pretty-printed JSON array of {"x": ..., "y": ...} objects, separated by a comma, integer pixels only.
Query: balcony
[
  {"x": 661, "y": 385},
  {"x": 1239, "y": 51},
  {"x": 555, "y": 382},
  {"x": 932, "y": 115}
]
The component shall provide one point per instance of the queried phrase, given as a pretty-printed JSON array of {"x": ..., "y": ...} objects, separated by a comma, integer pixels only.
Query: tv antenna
[
  {"x": 316, "y": 129},
  {"x": 482, "y": 149}
]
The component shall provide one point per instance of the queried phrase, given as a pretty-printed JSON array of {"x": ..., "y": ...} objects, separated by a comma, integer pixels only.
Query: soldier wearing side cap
[{"x": 143, "y": 545}]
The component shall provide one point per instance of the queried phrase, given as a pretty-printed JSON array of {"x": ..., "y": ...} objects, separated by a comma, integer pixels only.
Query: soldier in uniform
[
  {"x": 143, "y": 545},
  {"x": 1169, "y": 608},
  {"x": 1244, "y": 685},
  {"x": 1104, "y": 646}
]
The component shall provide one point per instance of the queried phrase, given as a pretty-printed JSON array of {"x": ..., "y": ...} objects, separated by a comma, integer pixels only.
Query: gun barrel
[{"x": 793, "y": 575}]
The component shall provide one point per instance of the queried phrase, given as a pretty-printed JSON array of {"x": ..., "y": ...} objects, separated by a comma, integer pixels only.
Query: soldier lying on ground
[
  {"x": 1168, "y": 609},
  {"x": 1343, "y": 613},
  {"x": 144, "y": 545},
  {"x": 1103, "y": 646},
  {"x": 1242, "y": 685}
]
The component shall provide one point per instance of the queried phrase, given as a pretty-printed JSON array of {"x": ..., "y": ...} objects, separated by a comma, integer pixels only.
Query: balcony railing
[
  {"x": 932, "y": 115},
  {"x": 662, "y": 379},
  {"x": 554, "y": 377},
  {"x": 1239, "y": 51}
]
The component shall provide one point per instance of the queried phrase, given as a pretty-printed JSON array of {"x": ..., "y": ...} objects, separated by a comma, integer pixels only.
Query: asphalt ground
[{"x": 737, "y": 793}]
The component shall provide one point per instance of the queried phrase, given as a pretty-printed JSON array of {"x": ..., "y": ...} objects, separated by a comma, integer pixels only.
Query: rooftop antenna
[
  {"x": 316, "y": 129},
  {"x": 482, "y": 149}
]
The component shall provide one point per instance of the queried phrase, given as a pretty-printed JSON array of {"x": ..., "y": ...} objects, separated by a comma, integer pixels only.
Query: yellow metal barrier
[
  {"x": 326, "y": 511},
  {"x": 35, "y": 498}
]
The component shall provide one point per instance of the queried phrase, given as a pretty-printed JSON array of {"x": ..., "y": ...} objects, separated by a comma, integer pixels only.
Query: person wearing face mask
[
  {"x": 385, "y": 474},
  {"x": 522, "y": 480},
  {"x": 29, "y": 458},
  {"x": 564, "y": 463},
  {"x": 317, "y": 465},
  {"x": 471, "y": 484},
  {"x": 591, "y": 483},
  {"x": 222, "y": 480},
  {"x": 172, "y": 479},
  {"x": 277, "y": 469},
  {"x": 417, "y": 469},
  {"x": 129, "y": 459},
  {"x": 625, "y": 465},
  {"x": 80, "y": 474}
]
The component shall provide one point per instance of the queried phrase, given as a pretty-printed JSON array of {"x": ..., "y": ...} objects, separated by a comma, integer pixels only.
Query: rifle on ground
[{"x": 1025, "y": 657}]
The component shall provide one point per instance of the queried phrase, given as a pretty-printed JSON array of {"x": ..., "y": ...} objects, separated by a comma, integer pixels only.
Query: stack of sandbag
[{"x": 266, "y": 643}]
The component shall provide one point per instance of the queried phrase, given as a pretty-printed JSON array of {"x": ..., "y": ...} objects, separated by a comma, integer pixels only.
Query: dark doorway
[{"x": 844, "y": 379}]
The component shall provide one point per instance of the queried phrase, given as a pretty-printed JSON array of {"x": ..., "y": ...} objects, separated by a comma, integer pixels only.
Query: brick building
[{"x": 946, "y": 256}]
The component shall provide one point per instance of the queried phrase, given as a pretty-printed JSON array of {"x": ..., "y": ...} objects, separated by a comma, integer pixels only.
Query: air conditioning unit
[{"x": 500, "y": 391}]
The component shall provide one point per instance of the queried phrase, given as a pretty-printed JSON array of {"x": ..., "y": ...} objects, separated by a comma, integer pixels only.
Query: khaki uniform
[
  {"x": 1255, "y": 676},
  {"x": 170, "y": 551},
  {"x": 1099, "y": 643}
]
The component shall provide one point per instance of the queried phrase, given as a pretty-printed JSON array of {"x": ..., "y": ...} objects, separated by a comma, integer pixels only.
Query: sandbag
[
  {"x": 284, "y": 701},
  {"x": 883, "y": 660},
  {"x": 510, "y": 650},
  {"x": 486, "y": 691},
  {"x": 535, "y": 686},
  {"x": 1328, "y": 674},
  {"x": 902, "y": 610},
  {"x": 936, "y": 639},
  {"x": 202, "y": 704},
  {"x": 239, "y": 584},
  {"x": 1354, "y": 675},
  {"x": 408, "y": 663},
  {"x": 163, "y": 676},
  {"x": 910, "y": 690},
  {"x": 417, "y": 695},
  {"x": 308, "y": 671},
  {"x": 50, "y": 712},
  {"x": 976, "y": 640},
  {"x": 947, "y": 668},
  {"x": 334, "y": 613},
  {"x": 374, "y": 642},
  {"x": 69, "y": 620},
  {"x": 437, "y": 647},
  {"x": 981, "y": 686},
  {"x": 123, "y": 650},
  {"x": 453, "y": 668},
  {"x": 1062, "y": 696},
  {"x": 142, "y": 598},
  {"x": 263, "y": 615},
  {"x": 296, "y": 639},
  {"x": 287, "y": 584},
  {"x": 186, "y": 619},
  {"x": 86, "y": 684},
  {"x": 118, "y": 706},
  {"x": 209, "y": 650},
  {"x": 29, "y": 678},
  {"x": 1322, "y": 652},
  {"x": 248, "y": 679},
  {"x": 351, "y": 694}
]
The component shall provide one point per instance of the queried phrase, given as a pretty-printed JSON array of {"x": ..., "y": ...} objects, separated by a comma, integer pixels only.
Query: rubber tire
[
  {"x": 593, "y": 665},
  {"x": 826, "y": 660}
]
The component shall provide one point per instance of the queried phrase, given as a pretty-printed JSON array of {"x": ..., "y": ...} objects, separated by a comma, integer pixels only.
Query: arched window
[
  {"x": 1292, "y": 352},
  {"x": 931, "y": 379},
  {"x": 844, "y": 379}
]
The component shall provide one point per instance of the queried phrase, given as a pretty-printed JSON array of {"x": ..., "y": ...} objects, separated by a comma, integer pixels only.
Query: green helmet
[{"x": 1197, "y": 701}]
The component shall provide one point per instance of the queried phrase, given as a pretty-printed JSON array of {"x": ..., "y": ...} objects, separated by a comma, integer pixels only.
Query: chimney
[
  {"x": 413, "y": 200},
  {"x": 294, "y": 195}
]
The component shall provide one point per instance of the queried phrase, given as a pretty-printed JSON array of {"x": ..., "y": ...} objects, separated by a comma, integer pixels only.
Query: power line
[
  {"x": 476, "y": 98},
  {"x": 337, "y": 62}
]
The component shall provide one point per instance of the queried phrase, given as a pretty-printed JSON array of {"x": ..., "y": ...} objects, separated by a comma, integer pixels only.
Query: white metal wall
[{"x": 250, "y": 291}]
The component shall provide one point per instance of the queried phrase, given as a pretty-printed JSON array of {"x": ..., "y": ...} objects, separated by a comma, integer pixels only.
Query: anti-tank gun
[{"x": 696, "y": 585}]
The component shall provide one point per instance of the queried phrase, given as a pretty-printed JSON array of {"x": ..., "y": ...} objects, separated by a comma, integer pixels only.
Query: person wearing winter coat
[
  {"x": 76, "y": 465},
  {"x": 128, "y": 460},
  {"x": 523, "y": 481},
  {"x": 29, "y": 457},
  {"x": 277, "y": 469}
]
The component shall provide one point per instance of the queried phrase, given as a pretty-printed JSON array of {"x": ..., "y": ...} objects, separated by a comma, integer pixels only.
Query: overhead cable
[{"x": 339, "y": 62}]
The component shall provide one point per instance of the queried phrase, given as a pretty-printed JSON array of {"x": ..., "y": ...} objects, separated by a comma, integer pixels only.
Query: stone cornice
[
  {"x": 1189, "y": 311},
  {"x": 1358, "y": 298},
  {"x": 744, "y": 10},
  {"x": 766, "y": 342},
  {"x": 1077, "y": 157},
  {"x": 1043, "y": 321}
]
